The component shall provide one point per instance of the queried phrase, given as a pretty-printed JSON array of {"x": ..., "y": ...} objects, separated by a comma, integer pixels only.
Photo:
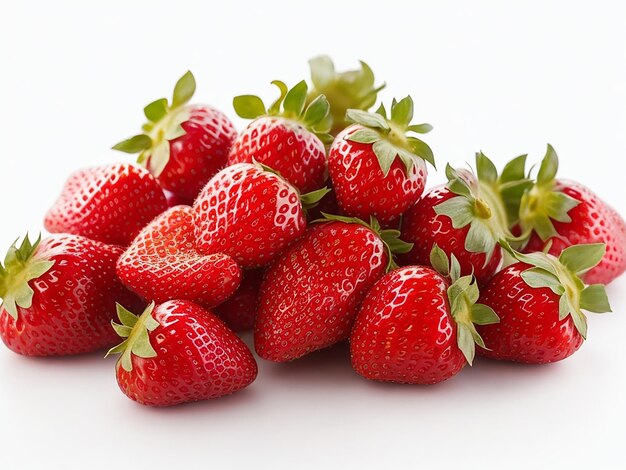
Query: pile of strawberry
[{"x": 311, "y": 226}]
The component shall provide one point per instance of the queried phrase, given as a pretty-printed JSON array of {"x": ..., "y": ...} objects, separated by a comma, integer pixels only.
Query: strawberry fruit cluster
[{"x": 312, "y": 226}]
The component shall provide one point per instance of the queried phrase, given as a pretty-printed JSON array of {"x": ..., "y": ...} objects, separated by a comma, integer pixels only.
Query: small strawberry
[
  {"x": 377, "y": 169},
  {"x": 467, "y": 217},
  {"x": 286, "y": 140},
  {"x": 184, "y": 145},
  {"x": 353, "y": 89},
  {"x": 177, "y": 352},
  {"x": 110, "y": 203},
  {"x": 540, "y": 302},
  {"x": 162, "y": 263},
  {"x": 562, "y": 213},
  {"x": 250, "y": 213},
  {"x": 310, "y": 295},
  {"x": 416, "y": 325},
  {"x": 239, "y": 311},
  {"x": 59, "y": 296}
]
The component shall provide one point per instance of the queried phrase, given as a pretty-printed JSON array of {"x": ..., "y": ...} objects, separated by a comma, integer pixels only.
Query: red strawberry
[
  {"x": 176, "y": 200},
  {"x": 310, "y": 295},
  {"x": 467, "y": 217},
  {"x": 353, "y": 89},
  {"x": 184, "y": 145},
  {"x": 178, "y": 352},
  {"x": 249, "y": 213},
  {"x": 239, "y": 311},
  {"x": 565, "y": 213},
  {"x": 286, "y": 141},
  {"x": 162, "y": 263},
  {"x": 416, "y": 325},
  {"x": 110, "y": 203},
  {"x": 59, "y": 296},
  {"x": 376, "y": 169},
  {"x": 540, "y": 302}
]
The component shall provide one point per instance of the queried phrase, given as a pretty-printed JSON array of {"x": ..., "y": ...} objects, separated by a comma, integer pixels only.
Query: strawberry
[
  {"x": 184, "y": 144},
  {"x": 250, "y": 213},
  {"x": 177, "y": 352},
  {"x": 162, "y": 263},
  {"x": 467, "y": 217},
  {"x": 416, "y": 325},
  {"x": 109, "y": 203},
  {"x": 287, "y": 141},
  {"x": 377, "y": 169},
  {"x": 310, "y": 295},
  {"x": 540, "y": 301},
  {"x": 176, "y": 200},
  {"x": 353, "y": 89},
  {"x": 59, "y": 296},
  {"x": 562, "y": 213},
  {"x": 239, "y": 311}
]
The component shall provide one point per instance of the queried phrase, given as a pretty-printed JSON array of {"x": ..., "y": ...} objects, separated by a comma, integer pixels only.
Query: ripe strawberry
[
  {"x": 310, "y": 295},
  {"x": 353, "y": 89},
  {"x": 540, "y": 302},
  {"x": 108, "y": 203},
  {"x": 416, "y": 325},
  {"x": 287, "y": 141},
  {"x": 59, "y": 296},
  {"x": 239, "y": 311},
  {"x": 162, "y": 263},
  {"x": 375, "y": 168},
  {"x": 249, "y": 213},
  {"x": 176, "y": 200},
  {"x": 563, "y": 213},
  {"x": 467, "y": 217},
  {"x": 178, "y": 352},
  {"x": 184, "y": 145}
]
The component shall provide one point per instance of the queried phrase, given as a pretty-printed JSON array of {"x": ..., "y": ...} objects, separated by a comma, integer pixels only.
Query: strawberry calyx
[
  {"x": 390, "y": 237},
  {"x": 19, "y": 268},
  {"x": 562, "y": 276},
  {"x": 463, "y": 296},
  {"x": 164, "y": 124},
  {"x": 541, "y": 203},
  {"x": 291, "y": 105},
  {"x": 352, "y": 89},
  {"x": 136, "y": 333}
]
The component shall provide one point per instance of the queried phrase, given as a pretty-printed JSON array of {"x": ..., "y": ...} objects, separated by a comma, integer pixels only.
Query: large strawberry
[
  {"x": 540, "y": 301},
  {"x": 250, "y": 213},
  {"x": 162, "y": 263},
  {"x": 417, "y": 325},
  {"x": 467, "y": 217},
  {"x": 239, "y": 311},
  {"x": 285, "y": 140},
  {"x": 376, "y": 168},
  {"x": 58, "y": 296},
  {"x": 177, "y": 352},
  {"x": 184, "y": 144},
  {"x": 353, "y": 89},
  {"x": 562, "y": 213},
  {"x": 109, "y": 203},
  {"x": 310, "y": 295}
]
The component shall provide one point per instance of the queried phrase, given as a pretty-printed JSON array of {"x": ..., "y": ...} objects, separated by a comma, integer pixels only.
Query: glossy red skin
[
  {"x": 285, "y": 146},
  {"x": 529, "y": 330},
  {"x": 239, "y": 311},
  {"x": 310, "y": 295},
  {"x": 361, "y": 188},
  {"x": 249, "y": 214},
  {"x": 109, "y": 203},
  {"x": 198, "y": 154},
  {"x": 423, "y": 227},
  {"x": 198, "y": 358},
  {"x": 73, "y": 303},
  {"x": 162, "y": 263},
  {"x": 404, "y": 331},
  {"x": 593, "y": 221}
]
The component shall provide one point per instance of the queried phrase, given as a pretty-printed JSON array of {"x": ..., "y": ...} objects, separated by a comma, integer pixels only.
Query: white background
[{"x": 488, "y": 75}]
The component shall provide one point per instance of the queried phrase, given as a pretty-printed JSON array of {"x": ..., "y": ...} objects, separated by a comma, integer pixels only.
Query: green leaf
[
  {"x": 396, "y": 245},
  {"x": 382, "y": 111},
  {"x": 465, "y": 341},
  {"x": 408, "y": 159},
  {"x": 283, "y": 90},
  {"x": 386, "y": 154},
  {"x": 366, "y": 119},
  {"x": 459, "y": 209},
  {"x": 594, "y": 299},
  {"x": 564, "y": 308},
  {"x": 580, "y": 322},
  {"x": 126, "y": 316},
  {"x": 514, "y": 170},
  {"x": 439, "y": 260},
  {"x": 365, "y": 136},
  {"x": 402, "y": 112},
  {"x": 156, "y": 110},
  {"x": 538, "y": 259},
  {"x": 422, "y": 150},
  {"x": 322, "y": 71},
  {"x": 480, "y": 239},
  {"x": 485, "y": 169},
  {"x": 420, "y": 128},
  {"x": 135, "y": 144},
  {"x": 484, "y": 315},
  {"x": 557, "y": 206},
  {"x": 316, "y": 111},
  {"x": 537, "y": 277},
  {"x": 159, "y": 158},
  {"x": 455, "y": 268},
  {"x": 295, "y": 99},
  {"x": 184, "y": 90},
  {"x": 122, "y": 330},
  {"x": 248, "y": 106},
  {"x": 581, "y": 258},
  {"x": 549, "y": 167},
  {"x": 311, "y": 199}
]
